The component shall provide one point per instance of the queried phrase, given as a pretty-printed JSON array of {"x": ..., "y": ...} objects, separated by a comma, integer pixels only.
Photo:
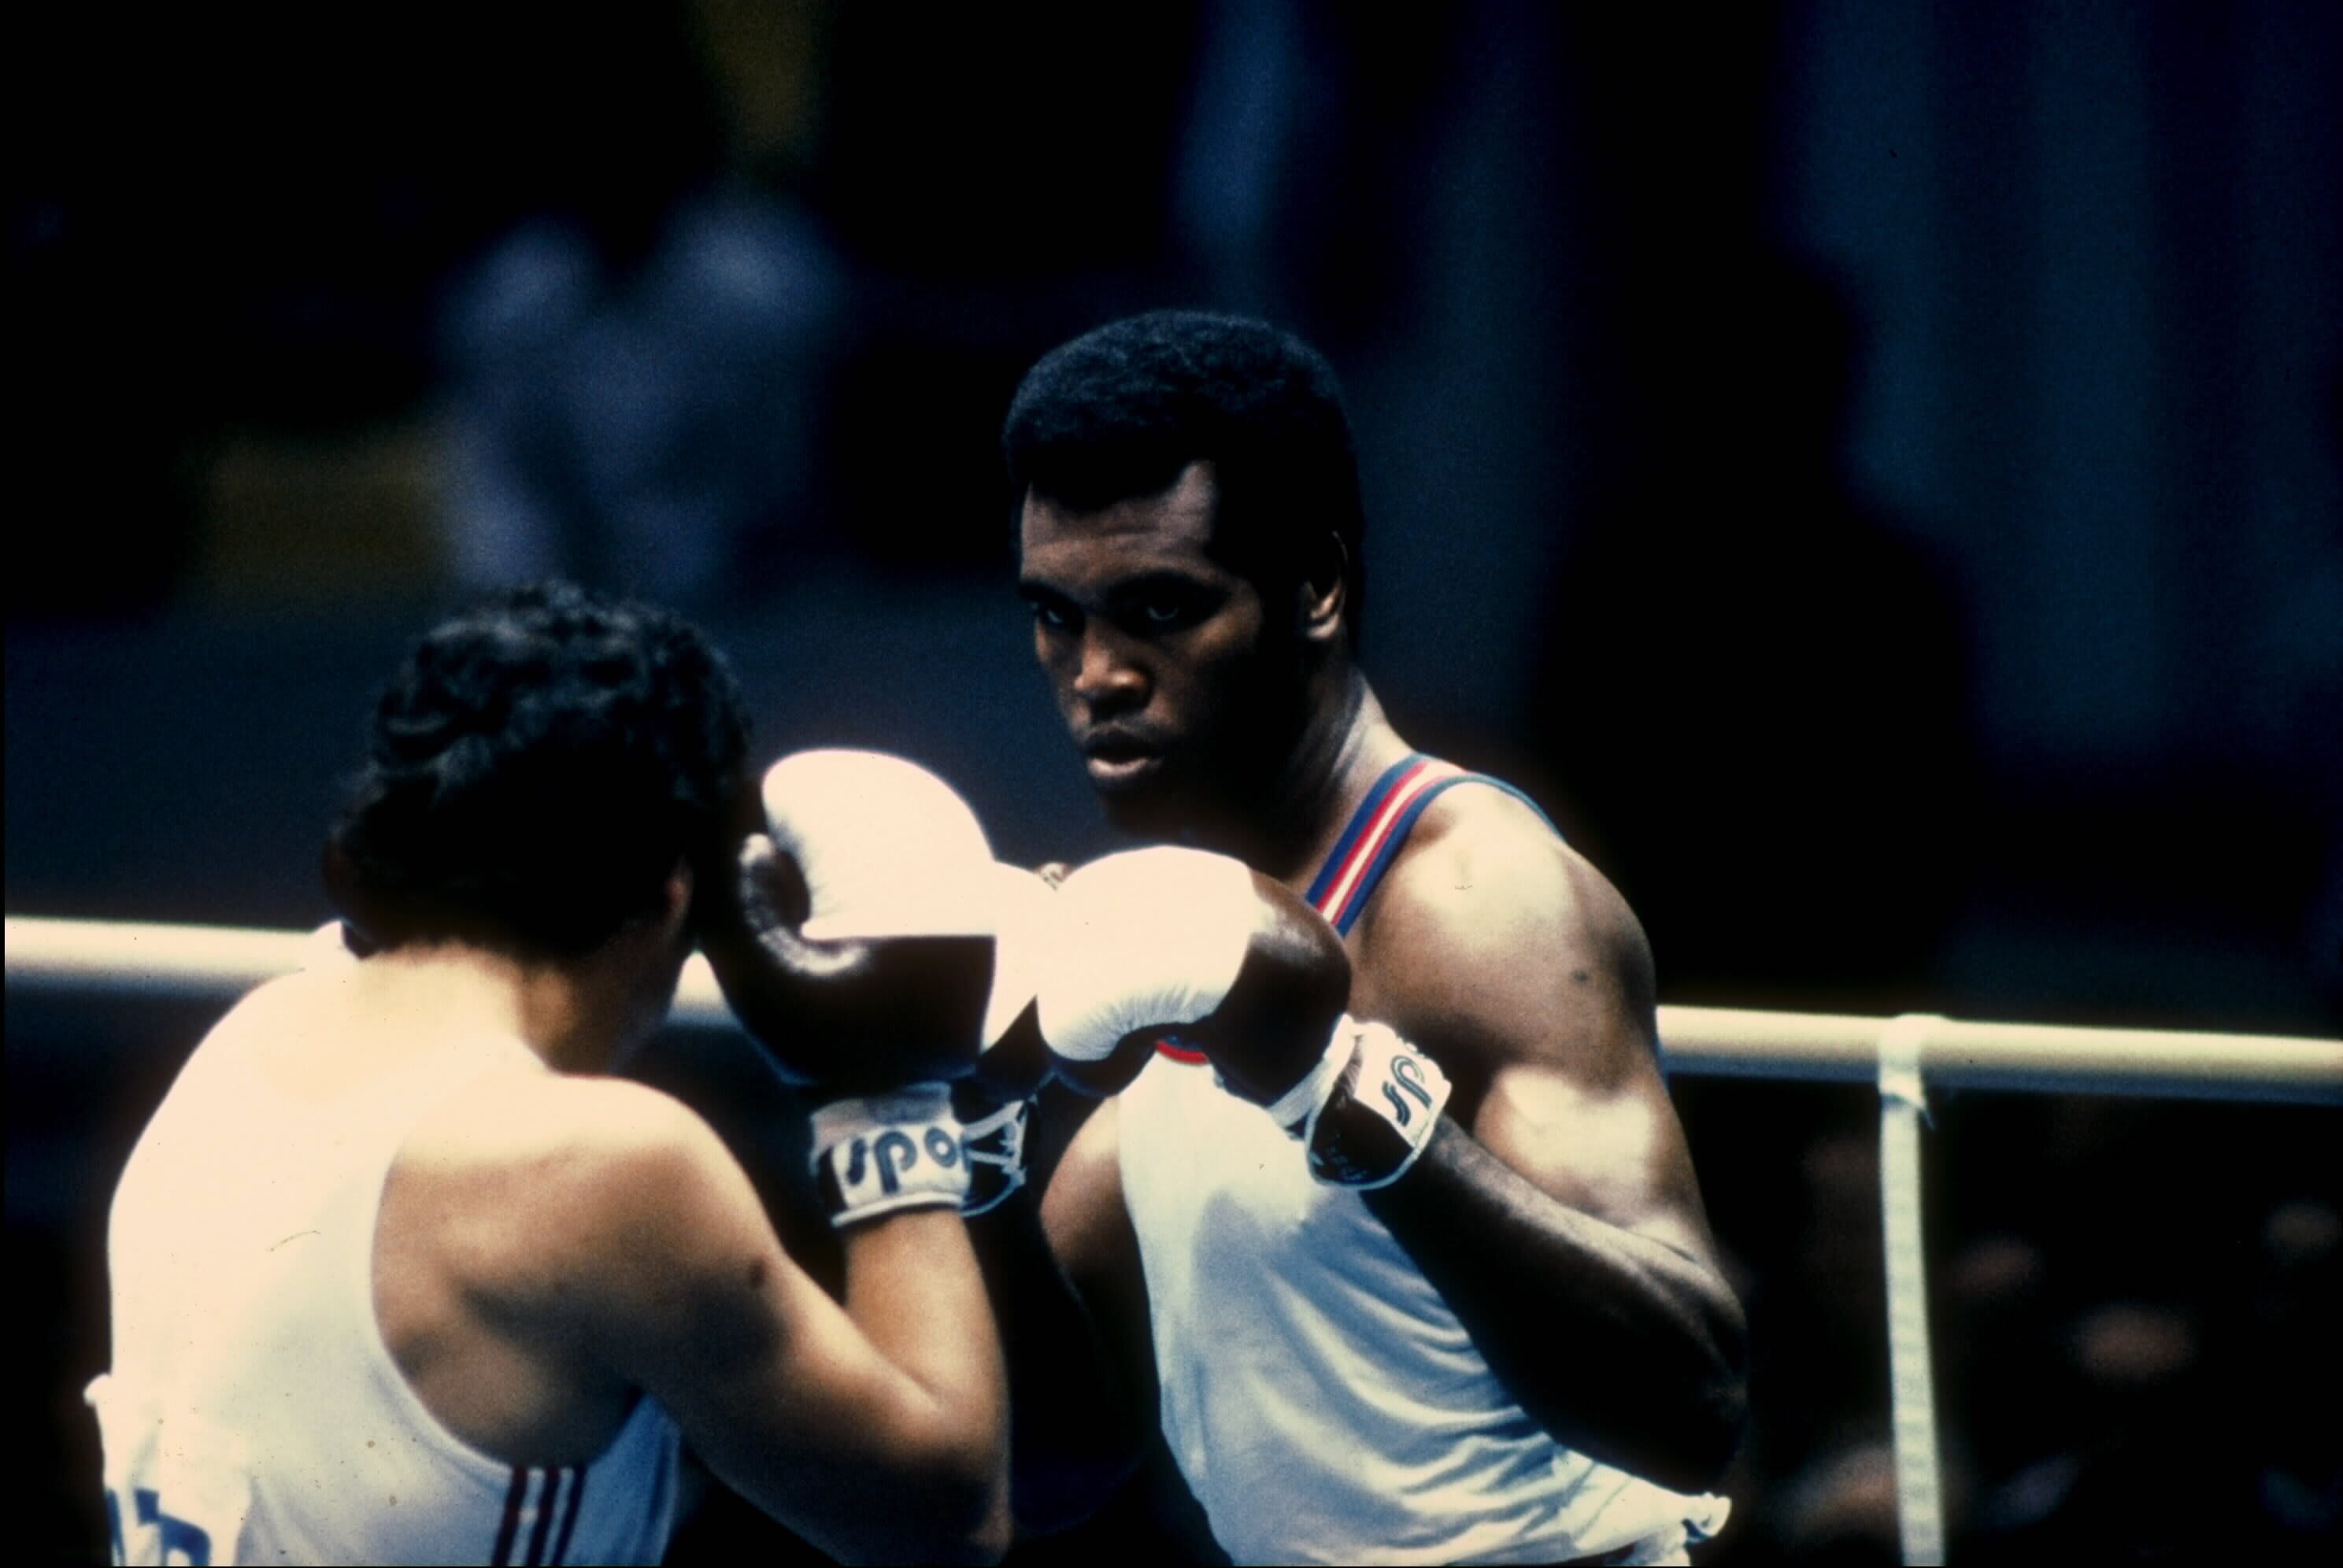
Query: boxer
[
  {"x": 1407, "y": 1250},
  {"x": 400, "y": 1272}
]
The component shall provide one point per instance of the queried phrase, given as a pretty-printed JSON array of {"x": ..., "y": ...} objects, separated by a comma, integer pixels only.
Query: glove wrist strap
[
  {"x": 881, "y": 1153},
  {"x": 1386, "y": 1098}
]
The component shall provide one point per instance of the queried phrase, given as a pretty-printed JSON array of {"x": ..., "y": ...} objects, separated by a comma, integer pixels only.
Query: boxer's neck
[
  {"x": 574, "y": 1016},
  {"x": 1344, "y": 747}
]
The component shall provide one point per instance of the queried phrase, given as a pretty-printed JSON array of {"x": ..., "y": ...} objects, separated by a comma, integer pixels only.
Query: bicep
[
  {"x": 1611, "y": 1148},
  {"x": 1535, "y": 981},
  {"x": 1575, "y": 1101}
]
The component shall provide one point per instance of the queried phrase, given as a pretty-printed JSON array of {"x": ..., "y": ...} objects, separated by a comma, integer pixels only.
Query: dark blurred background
[{"x": 1871, "y": 470}]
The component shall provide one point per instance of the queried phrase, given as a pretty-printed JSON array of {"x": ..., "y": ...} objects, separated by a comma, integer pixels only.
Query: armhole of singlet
[{"x": 491, "y": 1471}]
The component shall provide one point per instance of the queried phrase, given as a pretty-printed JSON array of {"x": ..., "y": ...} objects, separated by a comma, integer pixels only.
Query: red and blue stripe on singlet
[
  {"x": 1372, "y": 841},
  {"x": 1380, "y": 826}
]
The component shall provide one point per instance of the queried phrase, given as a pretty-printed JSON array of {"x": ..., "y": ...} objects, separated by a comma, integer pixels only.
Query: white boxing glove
[
  {"x": 1025, "y": 940},
  {"x": 1148, "y": 940},
  {"x": 859, "y": 941},
  {"x": 994, "y": 1102},
  {"x": 887, "y": 848}
]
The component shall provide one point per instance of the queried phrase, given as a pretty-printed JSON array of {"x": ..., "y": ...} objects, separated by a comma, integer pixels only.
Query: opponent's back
[{"x": 252, "y": 1411}]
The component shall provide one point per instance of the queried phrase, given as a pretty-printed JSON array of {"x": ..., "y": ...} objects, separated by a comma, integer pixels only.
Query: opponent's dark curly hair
[
  {"x": 1119, "y": 411},
  {"x": 534, "y": 770}
]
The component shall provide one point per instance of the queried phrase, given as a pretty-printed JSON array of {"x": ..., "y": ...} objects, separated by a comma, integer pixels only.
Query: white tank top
[
  {"x": 1320, "y": 1395},
  {"x": 253, "y": 1412}
]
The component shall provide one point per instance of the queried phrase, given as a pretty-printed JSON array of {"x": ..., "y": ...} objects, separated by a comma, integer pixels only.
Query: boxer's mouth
[{"x": 1116, "y": 758}]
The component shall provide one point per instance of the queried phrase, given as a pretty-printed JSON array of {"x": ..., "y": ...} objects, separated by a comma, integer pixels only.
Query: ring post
[{"x": 1903, "y": 1103}]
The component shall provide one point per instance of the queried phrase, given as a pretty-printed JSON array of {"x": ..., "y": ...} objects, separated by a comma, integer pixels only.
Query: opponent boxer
[
  {"x": 400, "y": 1274},
  {"x": 1456, "y": 1298}
]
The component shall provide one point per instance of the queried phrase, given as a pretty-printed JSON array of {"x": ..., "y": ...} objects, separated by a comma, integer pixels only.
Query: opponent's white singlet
[
  {"x": 1320, "y": 1395},
  {"x": 254, "y": 1413}
]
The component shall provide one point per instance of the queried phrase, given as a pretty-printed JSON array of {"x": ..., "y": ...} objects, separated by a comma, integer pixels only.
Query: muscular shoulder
[
  {"x": 548, "y": 1193},
  {"x": 1491, "y": 943}
]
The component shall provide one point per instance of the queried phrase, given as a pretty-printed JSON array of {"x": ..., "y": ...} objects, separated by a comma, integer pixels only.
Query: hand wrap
[
  {"x": 878, "y": 1153},
  {"x": 1366, "y": 1111}
]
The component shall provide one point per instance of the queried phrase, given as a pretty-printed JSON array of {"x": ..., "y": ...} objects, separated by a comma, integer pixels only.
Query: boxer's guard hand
[
  {"x": 1195, "y": 949},
  {"x": 845, "y": 1016},
  {"x": 1179, "y": 946},
  {"x": 855, "y": 942},
  {"x": 994, "y": 1103}
]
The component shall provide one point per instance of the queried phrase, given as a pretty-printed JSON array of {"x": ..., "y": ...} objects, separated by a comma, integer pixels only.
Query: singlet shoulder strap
[{"x": 1371, "y": 840}]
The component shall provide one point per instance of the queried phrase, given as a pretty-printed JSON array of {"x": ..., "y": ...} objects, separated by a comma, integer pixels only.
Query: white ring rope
[
  {"x": 1901, "y": 1055},
  {"x": 197, "y": 961}
]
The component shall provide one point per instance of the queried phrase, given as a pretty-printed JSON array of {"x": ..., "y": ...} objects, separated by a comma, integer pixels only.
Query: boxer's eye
[
  {"x": 1165, "y": 608},
  {"x": 1055, "y": 616}
]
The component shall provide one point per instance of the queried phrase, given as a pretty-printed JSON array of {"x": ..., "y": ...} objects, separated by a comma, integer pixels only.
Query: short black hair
[
  {"x": 1119, "y": 411},
  {"x": 533, "y": 772}
]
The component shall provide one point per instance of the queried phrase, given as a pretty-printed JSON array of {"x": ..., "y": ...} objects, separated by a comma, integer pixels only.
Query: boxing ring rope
[
  {"x": 1903, "y": 1056},
  {"x": 223, "y": 961}
]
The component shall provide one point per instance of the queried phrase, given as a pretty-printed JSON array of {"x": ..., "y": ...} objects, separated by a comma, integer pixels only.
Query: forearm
[
  {"x": 915, "y": 1291},
  {"x": 1624, "y": 1347},
  {"x": 1079, "y": 1420}
]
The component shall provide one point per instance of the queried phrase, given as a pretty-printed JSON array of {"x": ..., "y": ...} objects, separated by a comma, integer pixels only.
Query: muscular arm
[
  {"x": 1555, "y": 1208},
  {"x": 877, "y": 1428}
]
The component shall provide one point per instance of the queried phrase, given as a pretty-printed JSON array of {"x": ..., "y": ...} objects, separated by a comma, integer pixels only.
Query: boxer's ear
[{"x": 1324, "y": 593}]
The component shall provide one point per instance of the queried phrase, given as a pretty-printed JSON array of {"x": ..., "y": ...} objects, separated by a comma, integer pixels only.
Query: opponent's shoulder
[
  {"x": 562, "y": 1127},
  {"x": 541, "y": 1180},
  {"x": 1491, "y": 930}
]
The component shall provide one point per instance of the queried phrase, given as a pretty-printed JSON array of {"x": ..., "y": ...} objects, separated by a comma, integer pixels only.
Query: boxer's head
[
  {"x": 535, "y": 771},
  {"x": 1189, "y": 533}
]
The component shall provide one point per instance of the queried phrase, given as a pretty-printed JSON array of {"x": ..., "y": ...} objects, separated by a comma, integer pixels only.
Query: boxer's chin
[{"x": 1147, "y": 808}]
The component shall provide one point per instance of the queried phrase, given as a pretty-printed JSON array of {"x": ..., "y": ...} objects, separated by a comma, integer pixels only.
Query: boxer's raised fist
[
  {"x": 1173, "y": 943},
  {"x": 1178, "y": 944},
  {"x": 857, "y": 940}
]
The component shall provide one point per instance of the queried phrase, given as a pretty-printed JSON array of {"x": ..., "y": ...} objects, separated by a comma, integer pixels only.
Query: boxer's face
[{"x": 1156, "y": 653}]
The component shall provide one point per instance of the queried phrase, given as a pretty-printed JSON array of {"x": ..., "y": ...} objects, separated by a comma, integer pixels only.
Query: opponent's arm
[
  {"x": 875, "y": 1429},
  {"x": 857, "y": 943},
  {"x": 1555, "y": 1206}
]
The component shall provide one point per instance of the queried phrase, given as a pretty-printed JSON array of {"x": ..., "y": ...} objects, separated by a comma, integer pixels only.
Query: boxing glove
[
  {"x": 994, "y": 1103},
  {"x": 1178, "y": 944},
  {"x": 857, "y": 940},
  {"x": 857, "y": 943}
]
